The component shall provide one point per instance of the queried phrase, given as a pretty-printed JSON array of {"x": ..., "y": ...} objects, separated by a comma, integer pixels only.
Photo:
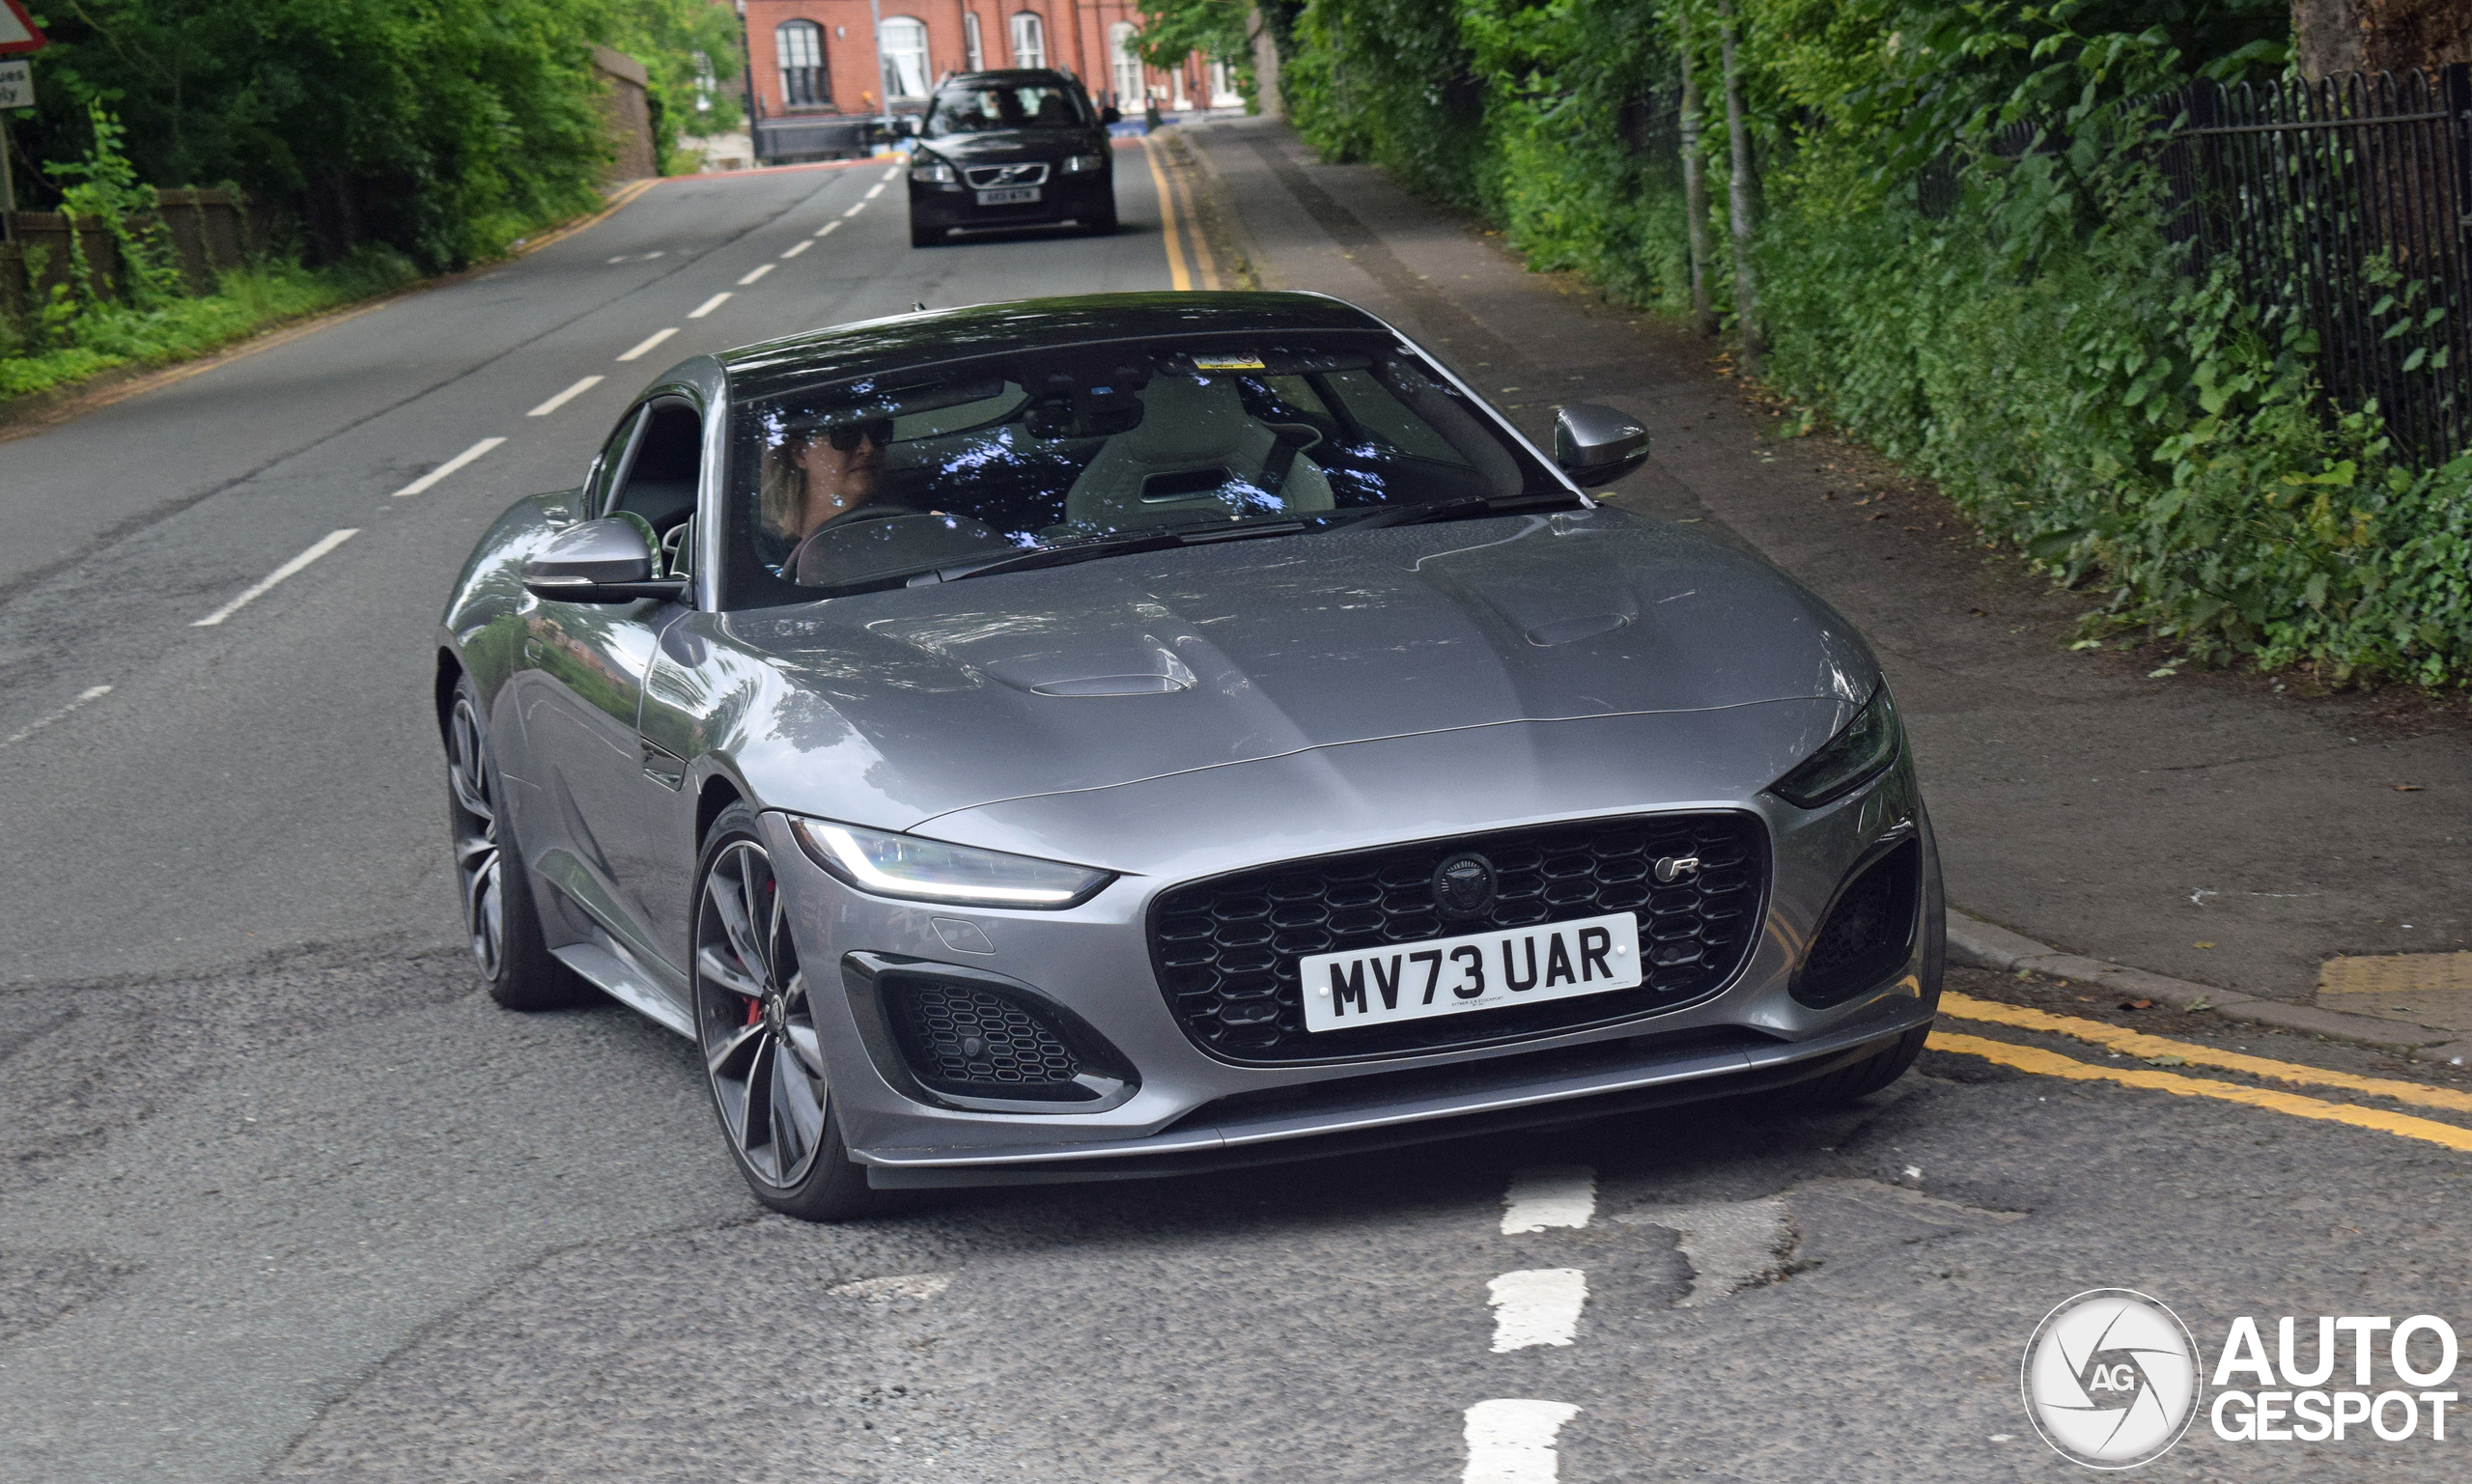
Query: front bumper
[
  {"x": 1185, "y": 1110},
  {"x": 1062, "y": 198}
]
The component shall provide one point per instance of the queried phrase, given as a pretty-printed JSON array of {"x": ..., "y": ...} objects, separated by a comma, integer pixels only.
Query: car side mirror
[
  {"x": 1111, "y": 115},
  {"x": 600, "y": 561},
  {"x": 1596, "y": 445}
]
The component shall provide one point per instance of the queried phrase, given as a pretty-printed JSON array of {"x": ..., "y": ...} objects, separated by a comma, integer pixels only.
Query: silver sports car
[{"x": 1090, "y": 737}]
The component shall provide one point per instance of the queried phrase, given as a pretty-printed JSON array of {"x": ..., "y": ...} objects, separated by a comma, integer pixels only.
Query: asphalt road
[{"x": 284, "y": 1197}]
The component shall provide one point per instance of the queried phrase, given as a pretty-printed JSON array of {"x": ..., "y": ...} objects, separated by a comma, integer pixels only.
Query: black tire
[
  {"x": 500, "y": 920},
  {"x": 925, "y": 237},
  {"x": 1865, "y": 1076},
  {"x": 757, "y": 1032}
]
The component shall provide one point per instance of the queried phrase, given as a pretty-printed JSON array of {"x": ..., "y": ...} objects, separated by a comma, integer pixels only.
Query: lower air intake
[
  {"x": 1868, "y": 932},
  {"x": 968, "y": 1040}
]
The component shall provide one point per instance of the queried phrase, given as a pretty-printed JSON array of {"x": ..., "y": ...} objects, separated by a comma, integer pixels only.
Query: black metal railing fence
[{"x": 2347, "y": 203}]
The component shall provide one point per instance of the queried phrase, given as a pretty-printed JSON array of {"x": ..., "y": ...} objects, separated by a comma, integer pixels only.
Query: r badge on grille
[{"x": 1463, "y": 885}]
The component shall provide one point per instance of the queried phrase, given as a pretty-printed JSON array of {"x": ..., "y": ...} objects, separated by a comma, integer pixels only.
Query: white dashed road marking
[
  {"x": 1537, "y": 1307},
  {"x": 267, "y": 583},
  {"x": 854, "y": 209},
  {"x": 894, "y": 174},
  {"x": 565, "y": 397},
  {"x": 90, "y": 694},
  {"x": 877, "y": 190},
  {"x": 1549, "y": 1195},
  {"x": 1511, "y": 1440},
  {"x": 900, "y": 1286},
  {"x": 647, "y": 342},
  {"x": 449, "y": 466},
  {"x": 709, "y": 305},
  {"x": 760, "y": 271},
  {"x": 798, "y": 248},
  {"x": 829, "y": 229}
]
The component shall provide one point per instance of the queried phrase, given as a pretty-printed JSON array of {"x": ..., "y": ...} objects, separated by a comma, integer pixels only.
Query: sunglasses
[{"x": 846, "y": 436}]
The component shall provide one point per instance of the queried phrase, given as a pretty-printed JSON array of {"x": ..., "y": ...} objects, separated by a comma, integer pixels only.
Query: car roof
[
  {"x": 873, "y": 347},
  {"x": 1008, "y": 76}
]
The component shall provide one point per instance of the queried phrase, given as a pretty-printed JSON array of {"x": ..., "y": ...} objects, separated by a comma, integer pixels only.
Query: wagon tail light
[
  {"x": 888, "y": 865},
  {"x": 1857, "y": 754}
]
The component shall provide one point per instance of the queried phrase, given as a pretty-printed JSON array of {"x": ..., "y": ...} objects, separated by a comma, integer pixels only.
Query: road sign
[
  {"x": 18, "y": 32},
  {"x": 16, "y": 84}
]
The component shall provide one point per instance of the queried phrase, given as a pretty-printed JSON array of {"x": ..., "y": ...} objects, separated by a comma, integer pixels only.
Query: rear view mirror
[
  {"x": 600, "y": 561},
  {"x": 1596, "y": 445}
]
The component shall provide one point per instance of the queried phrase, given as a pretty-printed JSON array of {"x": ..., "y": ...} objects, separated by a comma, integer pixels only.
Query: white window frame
[
  {"x": 911, "y": 48},
  {"x": 783, "y": 49},
  {"x": 1124, "y": 68},
  {"x": 1029, "y": 35},
  {"x": 973, "y": 53}
]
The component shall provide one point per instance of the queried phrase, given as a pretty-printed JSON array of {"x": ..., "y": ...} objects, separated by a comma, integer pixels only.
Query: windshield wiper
[
  {"x": 1468, "y": 509},
  {"x": 1110, "y": 545}
]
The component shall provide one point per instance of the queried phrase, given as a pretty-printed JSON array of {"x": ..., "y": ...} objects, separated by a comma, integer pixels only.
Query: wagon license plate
[
  {"x": 1475, "y": 972},
  {"x": 1008, "y": 195}
]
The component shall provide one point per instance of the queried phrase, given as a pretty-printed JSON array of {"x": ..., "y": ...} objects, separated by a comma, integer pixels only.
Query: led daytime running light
[{"x": 839, "y": 851}]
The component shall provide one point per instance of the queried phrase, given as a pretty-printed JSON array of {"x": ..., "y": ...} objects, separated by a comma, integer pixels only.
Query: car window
[
  {"x": 850, "y": 483},
  {"x": 610, "y": 463},
  {"x": 658, "y": 481},
  {"x": 982, "y": 110}
]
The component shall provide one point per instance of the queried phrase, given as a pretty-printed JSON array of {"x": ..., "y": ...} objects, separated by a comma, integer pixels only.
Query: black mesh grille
[
  {"x": 1866, "y": 935},
  {"x": 1226, "y": 949},
  {"x": 962, "y": 1038}
]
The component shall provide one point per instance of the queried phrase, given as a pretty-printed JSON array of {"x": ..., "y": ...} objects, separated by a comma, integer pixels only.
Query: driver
[{"x": 825, "y": 475}]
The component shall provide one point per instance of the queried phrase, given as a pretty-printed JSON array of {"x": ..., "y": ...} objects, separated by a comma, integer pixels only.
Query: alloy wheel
[
  {"x": 473, "y": 814},
  {"x": 753, "y": 1019}
]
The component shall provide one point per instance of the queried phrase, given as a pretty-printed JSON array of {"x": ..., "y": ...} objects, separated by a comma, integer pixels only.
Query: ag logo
[{"x": 2111, "y": 1379}]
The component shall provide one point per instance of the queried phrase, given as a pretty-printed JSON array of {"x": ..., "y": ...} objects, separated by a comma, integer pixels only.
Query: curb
[{"x": 1987, "y": 945}]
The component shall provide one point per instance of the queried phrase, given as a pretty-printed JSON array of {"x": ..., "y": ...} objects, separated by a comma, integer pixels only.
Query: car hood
[
  {"x": 891, "y": 708},
  {"x": 1006, "y": 144}
]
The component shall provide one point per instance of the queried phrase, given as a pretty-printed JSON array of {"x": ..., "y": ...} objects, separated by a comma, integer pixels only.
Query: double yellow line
[
  {"x": 1180, "y": 223},
  {"x": 2156, "y": 1049}
]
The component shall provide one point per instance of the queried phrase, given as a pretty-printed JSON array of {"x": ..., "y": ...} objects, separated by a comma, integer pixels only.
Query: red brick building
[{"x": 818, "y": 60}]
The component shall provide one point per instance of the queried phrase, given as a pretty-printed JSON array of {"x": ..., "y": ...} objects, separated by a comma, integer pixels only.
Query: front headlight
[
  {"x": 932, "y": 871},
  {"x": 1084, "y": 164},
  {"x": 1853, "y": 757},
  {"x": 933, "y": 173}
]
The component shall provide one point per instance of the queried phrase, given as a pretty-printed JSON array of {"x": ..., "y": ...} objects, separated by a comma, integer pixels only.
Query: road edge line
[
  {"x": 2034, "y": 1060},
  {"x": 1177, "y": 278}
]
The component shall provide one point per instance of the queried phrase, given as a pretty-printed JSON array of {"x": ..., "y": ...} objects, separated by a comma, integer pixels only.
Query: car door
[{"x": 588, "y": 663}]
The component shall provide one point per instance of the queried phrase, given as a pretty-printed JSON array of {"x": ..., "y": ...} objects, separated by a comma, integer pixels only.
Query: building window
[
  {"x": 905, "y": 44},
  {"x": 799, "y": 44},
  {"x": 1030, "y": 40},
  {"x": 973, "y": 55},
  {"x": 1123, "y": 66}
]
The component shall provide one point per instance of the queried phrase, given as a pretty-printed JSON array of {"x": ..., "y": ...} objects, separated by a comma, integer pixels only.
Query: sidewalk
[{"x": 2213, "y": 829}]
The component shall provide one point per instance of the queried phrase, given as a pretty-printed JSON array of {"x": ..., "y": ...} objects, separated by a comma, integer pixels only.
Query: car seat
[{"x": 1195, "y": 451}]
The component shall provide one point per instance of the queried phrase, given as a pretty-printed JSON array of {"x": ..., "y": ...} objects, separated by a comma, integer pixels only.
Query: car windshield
[
  {"x": 1017, "y": 105},
  {"x": 866, "y": 483}
]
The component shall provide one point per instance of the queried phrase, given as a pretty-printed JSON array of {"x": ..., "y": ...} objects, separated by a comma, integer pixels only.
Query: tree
[{"x": 2379, "y": 35}]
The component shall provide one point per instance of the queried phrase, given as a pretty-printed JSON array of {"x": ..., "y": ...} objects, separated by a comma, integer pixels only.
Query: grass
[{"x": 80, "y": 341}]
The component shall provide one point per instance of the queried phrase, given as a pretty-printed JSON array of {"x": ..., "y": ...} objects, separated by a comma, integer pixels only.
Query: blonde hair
[{"x": 781, "y": 489}]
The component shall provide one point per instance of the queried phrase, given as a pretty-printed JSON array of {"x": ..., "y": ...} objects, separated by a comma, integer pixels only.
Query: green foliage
[
  {"x": 445, "y": 129},
  {"x": 99, "y": 337},
  {"x": 2116, "y": 413}
]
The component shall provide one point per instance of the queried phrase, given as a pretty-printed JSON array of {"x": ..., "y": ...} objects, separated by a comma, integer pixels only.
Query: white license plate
[
  {"x": 1476, "y": 972},
  {"x": 1010, "y": 195}
]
